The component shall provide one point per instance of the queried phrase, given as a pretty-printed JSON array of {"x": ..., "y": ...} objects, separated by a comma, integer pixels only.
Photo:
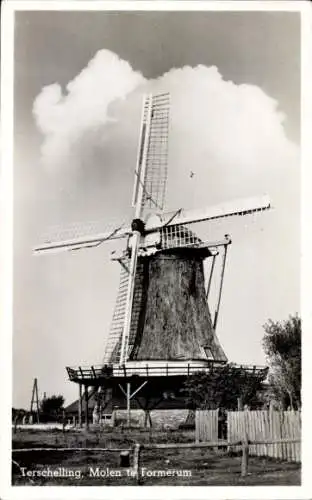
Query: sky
[{"x": 234, "y": 81}]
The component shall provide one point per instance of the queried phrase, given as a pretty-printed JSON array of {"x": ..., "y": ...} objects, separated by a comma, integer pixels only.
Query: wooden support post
[
  {"x": 239, "y": 404},
  {"x": 245, "y": 455},
  {"x": 113, "y": 418},
  {"x": 210, "y": 275},
  {"x": 150, "y": 419},
  {"x": 100, "y": 413},
  {"x": 86, "y": 408},
  {"x": 128, "y": 404},
  {"x": 80, "y": 406},
  {"x": 136, "y": 462},
  {"x": 147, "y": 418},
  {"x": 129, "y": 396},
  {"x": 146, "y": 412},
  {"x": 220, "y": 288}
]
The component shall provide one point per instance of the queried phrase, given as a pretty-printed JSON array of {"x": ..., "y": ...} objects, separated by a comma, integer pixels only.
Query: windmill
[{"x": 162, "y": 328}]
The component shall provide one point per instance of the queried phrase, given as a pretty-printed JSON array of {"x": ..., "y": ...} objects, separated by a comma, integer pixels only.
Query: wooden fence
[
  {"x": 206, "y": 425},
  {"x": 260, "y": 426},
  {"x": 267, "y": 426}
]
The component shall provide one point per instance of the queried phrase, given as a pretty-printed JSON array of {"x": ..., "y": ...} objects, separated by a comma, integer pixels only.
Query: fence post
[
  {"x": 245, "y": 446},
  {"x": 245, "y": 455},
  {"x": 196, "y": 426},
  {"x": 136, "y": 462}
]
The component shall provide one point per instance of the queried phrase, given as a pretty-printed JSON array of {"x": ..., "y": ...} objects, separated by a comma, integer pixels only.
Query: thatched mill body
[{"x": 162, "y": 329}]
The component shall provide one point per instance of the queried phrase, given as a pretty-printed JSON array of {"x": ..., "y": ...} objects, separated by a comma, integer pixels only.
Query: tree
[
  {"x": 282, "y": 345},
  {"x": 52, "y": 407},
  {"x": 18, "y": 413},
  {"x": 222, "y": 386}
]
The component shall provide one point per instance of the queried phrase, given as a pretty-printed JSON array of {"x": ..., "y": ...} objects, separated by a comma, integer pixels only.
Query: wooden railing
[{"x": 92, "y": 373}]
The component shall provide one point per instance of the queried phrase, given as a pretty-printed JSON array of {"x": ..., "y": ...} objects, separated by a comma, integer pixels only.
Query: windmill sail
[
  {"x": 174, "y": 227},
  {"x": 148, "y": 195},
  {"x": 245, "y": 206},
  {"x": 113, "y": 344},
  {"x": 154, "y": 132},
  {"x": 112, "y": 354},
  {"x": 81, "y": 241}
]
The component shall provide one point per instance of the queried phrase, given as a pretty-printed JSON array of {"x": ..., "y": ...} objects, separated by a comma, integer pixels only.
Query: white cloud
[
  {"x": 230, "y": 135},
  {"x": 65, "y": 118}
]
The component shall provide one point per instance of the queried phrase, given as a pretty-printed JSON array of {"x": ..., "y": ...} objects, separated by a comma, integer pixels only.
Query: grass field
[{"x": 95, "y": 468}]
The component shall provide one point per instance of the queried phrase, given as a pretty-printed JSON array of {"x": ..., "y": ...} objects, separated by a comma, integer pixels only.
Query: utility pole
[{"x": 34, "y": 399}]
